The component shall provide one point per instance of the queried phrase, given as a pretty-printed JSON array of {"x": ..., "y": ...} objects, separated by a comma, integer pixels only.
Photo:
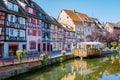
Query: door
[
  {"x": 24, "y": 47},
  {"x": 51, "y": 48},
  {"x": 1, "y": 50},
  {"x": 38, "y": 47}
]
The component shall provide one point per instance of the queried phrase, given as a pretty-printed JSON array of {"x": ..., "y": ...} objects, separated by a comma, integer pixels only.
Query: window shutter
[
  {"x": 39, "y": 33},
  {"x": 27, "y": 8},
  {"x": 28, "y": 31},
  {"x": 39, "y": 22},
  {"x": 34, "y": 20},
  {"x": 9, "y": 16},
  {"x": 14, "y": 18},
  {"x": 34, "y": 32},
  {"x": 34, "y": 12}
]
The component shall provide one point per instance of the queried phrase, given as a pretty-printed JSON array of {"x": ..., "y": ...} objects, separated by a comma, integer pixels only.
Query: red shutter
[
  {"x": 34, "y": 12},
  {"x": 39, "y": 22},
  {"x": 39, "y": 33},
  {"x": 28, "y": 31},
  {"x": 33, "y": 20},
  {"x": 27, "y": 8},
  {"x": 27, "y": 20},
  {"x": 34, "y": 32}
]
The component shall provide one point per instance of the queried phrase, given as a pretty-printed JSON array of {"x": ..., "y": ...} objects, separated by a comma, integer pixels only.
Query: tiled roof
[{"x": 76, "y": 16}]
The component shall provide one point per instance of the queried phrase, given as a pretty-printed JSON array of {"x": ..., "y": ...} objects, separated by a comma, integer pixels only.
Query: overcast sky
[{"x": 104, "y": 10}]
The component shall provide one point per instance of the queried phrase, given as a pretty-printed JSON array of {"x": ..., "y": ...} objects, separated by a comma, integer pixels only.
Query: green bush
[
  {"x": 117, "y": 48},
  {"x": 44, "y": 58},
  {"x": 106, "y": 49},
  {"x": 20, "y": 54},
  {"x": 63, "y": 52},
  {"x": 114, "y": 44},
  {"x": 112, "y": 48}
]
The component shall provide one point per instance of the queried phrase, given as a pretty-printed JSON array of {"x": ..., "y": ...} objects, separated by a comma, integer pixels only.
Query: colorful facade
[
  {"x": 46, "y": 22},
  {"x": 57, "y": 36},
  {"x": 70, "y": 40},
  {"x": 78, "y": 22},
  {"x": 15, "y": 28},
  {"x": 33, "y": 24},
  {"x": 2, "y": 34},
  {"x": 60, "y": 37}
]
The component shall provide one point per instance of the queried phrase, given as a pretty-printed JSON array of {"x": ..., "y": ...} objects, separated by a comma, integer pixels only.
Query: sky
[{"x": 104, "y": 10}]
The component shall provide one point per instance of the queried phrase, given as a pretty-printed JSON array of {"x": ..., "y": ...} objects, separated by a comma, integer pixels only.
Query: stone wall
[{"x": 13, "y": 70}]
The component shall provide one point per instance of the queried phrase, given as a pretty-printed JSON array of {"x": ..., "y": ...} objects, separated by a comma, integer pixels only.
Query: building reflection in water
[{"x": 80, "y": 66}]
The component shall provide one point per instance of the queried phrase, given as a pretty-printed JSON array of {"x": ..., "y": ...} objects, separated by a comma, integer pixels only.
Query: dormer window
[
  {"x": 32, "y": 5},
  {"x": 11, "y": 6},
  {"x": 30, "y": 10}
]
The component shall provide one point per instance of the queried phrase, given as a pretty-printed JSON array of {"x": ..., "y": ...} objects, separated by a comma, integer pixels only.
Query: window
[
  {"x": 11, "y": 31},
  {"x": 12, "y": 6},
  {"x": 36, "y": 21},
  {"x": 89, "y": 29},
  {"x": 30, "y": 20},
  {"x": 32, "y": 45},
  {"x": 30, "y": 10},
  {"x": 60, "y": 37},
  {"x": 22, "y": 20},
  {"x": 68, "y": 46},
  {"x": 15, "y": 32},
  {"x": 54, "y": 45},
  {"x": 22, "y": 33},
  {"x": 11, "y": 18},
  {"x": 30, "y": 32},
  {"x": 60, "y": 45},
  {"x": 81, "y": 29},
  {"x": 53, "y": 36},
  {"x": 0, "y": 31},
  {"x": 15, "y": 8},
  {"x": 42, "y": 24},
  {"x": 81, "y": 23}
]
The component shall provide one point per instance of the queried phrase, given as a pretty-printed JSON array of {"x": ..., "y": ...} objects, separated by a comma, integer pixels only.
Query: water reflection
[{"x": 92, "y": 69}]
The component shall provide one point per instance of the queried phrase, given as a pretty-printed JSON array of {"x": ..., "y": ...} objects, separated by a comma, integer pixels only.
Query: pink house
[{"x": 33, "y": 22}]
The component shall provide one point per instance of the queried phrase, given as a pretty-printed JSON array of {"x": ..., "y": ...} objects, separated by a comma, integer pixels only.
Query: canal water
[{"x": 87, "y": 69}]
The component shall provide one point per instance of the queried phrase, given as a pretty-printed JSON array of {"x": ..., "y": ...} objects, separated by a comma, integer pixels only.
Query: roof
[
  {"x": 68, "y": 27},
  {"x": 76, "y": 16},
  {"x": 27, "y": 13},
  {"x": 57, "y": 23},
  {"x": 97, "y": 22},
  {"x": 40, "y": 10},
  {"x": 118, "y": 23},
  {"x": 113, "y": 24},
  {"x": 5, "y": 9}
]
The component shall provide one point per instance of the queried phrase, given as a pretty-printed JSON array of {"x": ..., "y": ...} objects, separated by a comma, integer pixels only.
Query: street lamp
[{"x": 46, "y": 42}]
